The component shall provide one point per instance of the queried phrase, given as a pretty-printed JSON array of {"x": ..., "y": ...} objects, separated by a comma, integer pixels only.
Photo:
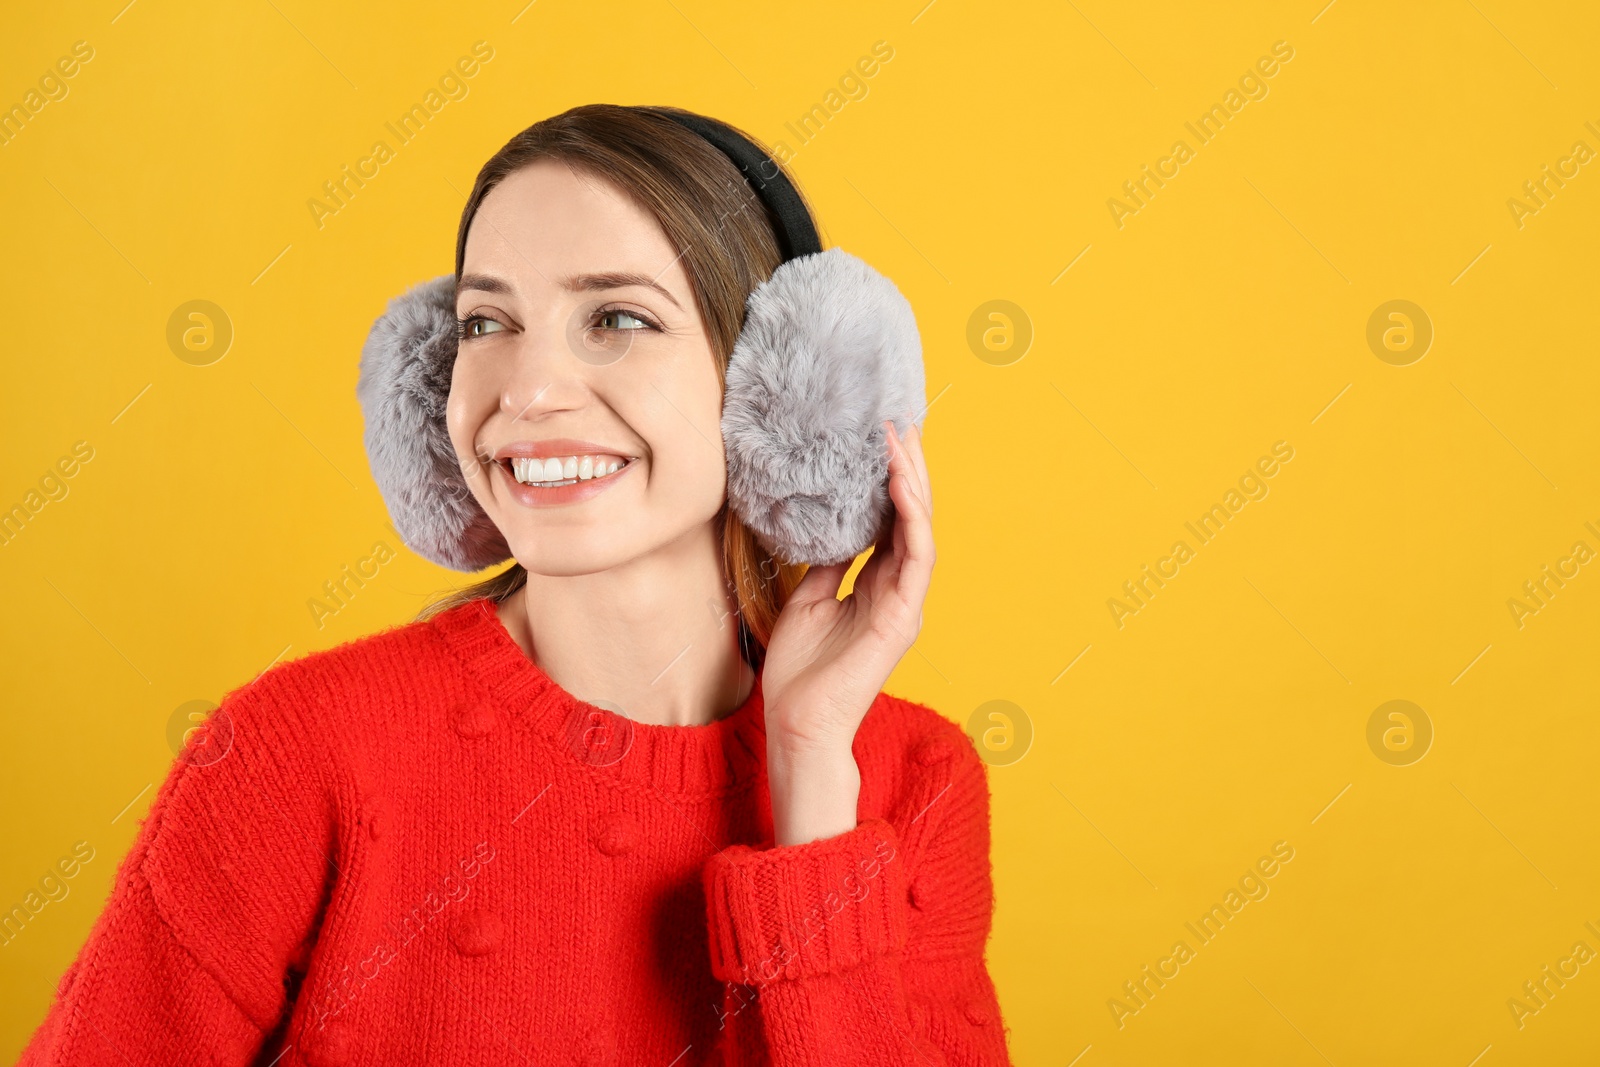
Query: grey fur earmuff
[
  {"x": 829, "y": 349},
  {"x": 405, "y": 382}
]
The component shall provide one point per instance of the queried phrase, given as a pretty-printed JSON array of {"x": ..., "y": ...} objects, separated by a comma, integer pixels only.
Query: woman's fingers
[
  {"x": 914, "y": 538},
  {"x": 818, "y": 583},
  {"x": 912, "y": 443},
  {"x": 906, "y": 454},
  {"x": 894, "y": 593},
  {"x": 916, "y": 468}
]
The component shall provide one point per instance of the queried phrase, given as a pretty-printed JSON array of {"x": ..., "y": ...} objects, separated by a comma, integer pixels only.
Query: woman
[{"x": 421, "y": 847}]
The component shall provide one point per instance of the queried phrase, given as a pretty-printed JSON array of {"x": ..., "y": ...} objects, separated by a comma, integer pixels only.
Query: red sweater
[{"x": 416, "y": 848}]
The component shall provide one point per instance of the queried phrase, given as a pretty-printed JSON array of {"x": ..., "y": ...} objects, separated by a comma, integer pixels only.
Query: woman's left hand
[{"x": 828, "y": 658}]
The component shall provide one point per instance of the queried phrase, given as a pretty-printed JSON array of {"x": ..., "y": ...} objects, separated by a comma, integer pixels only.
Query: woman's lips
[{"x": 539, "y": 496}]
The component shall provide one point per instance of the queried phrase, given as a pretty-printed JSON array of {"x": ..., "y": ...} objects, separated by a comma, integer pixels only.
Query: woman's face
[{"x": 583, "y": 349}]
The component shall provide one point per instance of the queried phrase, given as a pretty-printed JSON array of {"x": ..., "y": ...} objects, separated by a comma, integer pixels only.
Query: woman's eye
[
  {"x": 617, "y": 319},
  {"x": 478, "y": 326}
]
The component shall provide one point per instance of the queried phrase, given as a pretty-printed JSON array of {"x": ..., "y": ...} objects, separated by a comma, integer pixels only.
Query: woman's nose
[{"x": 550, "y": 371}]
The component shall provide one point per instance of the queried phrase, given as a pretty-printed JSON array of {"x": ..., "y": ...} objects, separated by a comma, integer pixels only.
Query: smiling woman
[
  {"x": 546, "y": 234},
  {"x": 592, "y": 186},
  {"x": 713, "y": 842}
]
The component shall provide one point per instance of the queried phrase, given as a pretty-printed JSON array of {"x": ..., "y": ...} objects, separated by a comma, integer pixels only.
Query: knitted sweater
[{"x": 416, "y": 848}]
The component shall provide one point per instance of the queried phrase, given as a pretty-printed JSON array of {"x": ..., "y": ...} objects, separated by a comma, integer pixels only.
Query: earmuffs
[{"x": 827, "y": 351}]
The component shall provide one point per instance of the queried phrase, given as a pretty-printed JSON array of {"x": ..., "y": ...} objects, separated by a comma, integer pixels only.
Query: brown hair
[{"x": 708, "y": 209}]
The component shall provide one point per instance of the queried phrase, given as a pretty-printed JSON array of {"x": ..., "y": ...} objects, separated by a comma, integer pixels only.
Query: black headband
[{"x": 797, "y": 234}]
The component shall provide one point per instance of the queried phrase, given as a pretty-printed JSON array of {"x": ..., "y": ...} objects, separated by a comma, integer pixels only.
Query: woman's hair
[{"x": 727, "y": 238}]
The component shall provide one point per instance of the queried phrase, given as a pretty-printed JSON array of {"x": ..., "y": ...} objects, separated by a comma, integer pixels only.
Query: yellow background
[{"x": 1226, "y": 315}]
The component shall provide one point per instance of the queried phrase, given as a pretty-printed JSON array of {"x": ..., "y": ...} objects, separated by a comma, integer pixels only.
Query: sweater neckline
[{"x": 712, "y": 757}]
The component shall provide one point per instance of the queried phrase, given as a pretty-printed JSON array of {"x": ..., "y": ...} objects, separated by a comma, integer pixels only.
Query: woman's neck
[{"x": 655, "y": 639}]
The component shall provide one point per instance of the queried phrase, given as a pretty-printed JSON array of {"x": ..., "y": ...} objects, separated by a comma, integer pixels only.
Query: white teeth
[{"x": 563, "y": 470}]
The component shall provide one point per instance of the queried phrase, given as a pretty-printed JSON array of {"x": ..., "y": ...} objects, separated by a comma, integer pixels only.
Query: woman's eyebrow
[
  {"x": 486, "y": 283},
  {"x": 578, "y": 283}
]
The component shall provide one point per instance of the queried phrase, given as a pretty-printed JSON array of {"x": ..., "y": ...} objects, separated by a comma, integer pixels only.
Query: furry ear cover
[
  {"x": 829, "y": 349},
  {"x": 403, "y": 388}
]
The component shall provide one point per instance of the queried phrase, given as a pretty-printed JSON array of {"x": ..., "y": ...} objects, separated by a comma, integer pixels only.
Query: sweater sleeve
[
  {"x": 867, "y": 947},
  {"x": 136, "y": 996},
  {"x": 212, "y": 906}
]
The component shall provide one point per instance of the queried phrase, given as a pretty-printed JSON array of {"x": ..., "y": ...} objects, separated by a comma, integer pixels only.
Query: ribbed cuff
[{"x": 799, "y": 910}]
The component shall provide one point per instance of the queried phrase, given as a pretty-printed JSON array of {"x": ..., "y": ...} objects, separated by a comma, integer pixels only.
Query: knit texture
[{"x": 416, "y": 848}]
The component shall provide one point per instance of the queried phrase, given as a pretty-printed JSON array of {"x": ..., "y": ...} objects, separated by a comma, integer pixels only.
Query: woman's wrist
[{"x": 814, "y": 790}]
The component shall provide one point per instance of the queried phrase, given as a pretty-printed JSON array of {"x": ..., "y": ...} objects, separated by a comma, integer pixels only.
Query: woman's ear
[
  {"x": 404, "y": 390},
  {"x": 828, "y": 351}
]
